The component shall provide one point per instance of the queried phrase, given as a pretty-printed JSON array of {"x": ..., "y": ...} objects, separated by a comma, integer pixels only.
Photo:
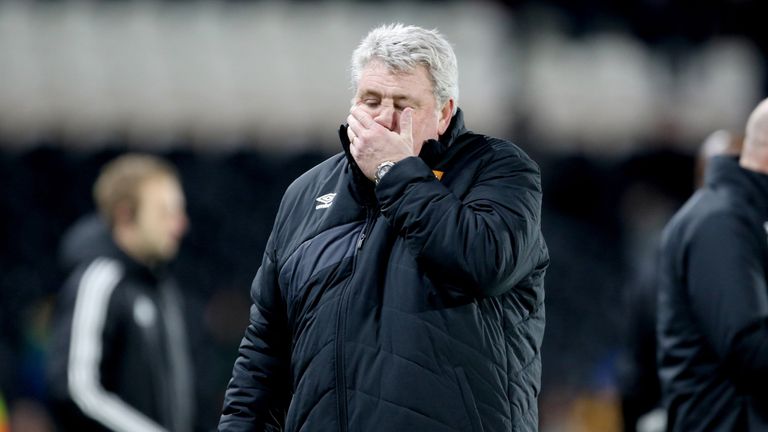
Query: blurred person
[
  {"x": 712, "y": 327},
  {"x": 640, "y": 387},
  {"x": 402, "y": 285},
  {"x": 118, "y": 358}
]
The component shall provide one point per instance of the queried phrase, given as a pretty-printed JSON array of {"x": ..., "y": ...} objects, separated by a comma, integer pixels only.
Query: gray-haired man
[{"x": 402, "y": 285}]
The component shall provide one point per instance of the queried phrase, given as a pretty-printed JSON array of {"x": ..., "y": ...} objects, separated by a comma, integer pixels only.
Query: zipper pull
[{"x": 360, "y": 240}]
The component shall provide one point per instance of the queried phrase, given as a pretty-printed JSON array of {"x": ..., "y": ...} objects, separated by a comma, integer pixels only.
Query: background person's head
[
  {"x": 141, "y": 199},
  {"x": 754, "y": 155},
  {"x": 719, "y": 143},
  {"x": 397, "y": 66}
]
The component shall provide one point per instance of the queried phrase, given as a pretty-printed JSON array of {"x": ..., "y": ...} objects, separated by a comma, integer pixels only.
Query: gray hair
[{"x": 402, "y": 48}]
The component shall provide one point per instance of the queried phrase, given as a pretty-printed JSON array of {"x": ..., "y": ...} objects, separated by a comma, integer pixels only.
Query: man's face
[
  {"x": 161, "y": 219},
  {"x": 384, "y": 94}
]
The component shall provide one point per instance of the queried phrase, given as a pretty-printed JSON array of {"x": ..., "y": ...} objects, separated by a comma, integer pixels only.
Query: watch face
[{"x": 383, "y": 168}]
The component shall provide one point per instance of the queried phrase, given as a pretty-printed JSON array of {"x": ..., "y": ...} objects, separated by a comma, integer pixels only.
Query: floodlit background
[{"x": 613, "y": 100}]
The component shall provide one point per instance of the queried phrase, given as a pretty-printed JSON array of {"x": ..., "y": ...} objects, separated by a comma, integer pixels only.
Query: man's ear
[
  {"x": 125, "y": 214},
  {"x": 445, "y": 115}
]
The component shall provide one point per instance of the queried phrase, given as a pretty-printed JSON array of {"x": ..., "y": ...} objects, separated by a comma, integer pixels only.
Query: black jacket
[
  {"x": 713, "y": 305},
  {"x": 417, "y": 305},
  {"x": 118, "y": 358}
]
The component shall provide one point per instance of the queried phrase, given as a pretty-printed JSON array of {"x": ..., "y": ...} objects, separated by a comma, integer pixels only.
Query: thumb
[{"x": 406, "y": 123}]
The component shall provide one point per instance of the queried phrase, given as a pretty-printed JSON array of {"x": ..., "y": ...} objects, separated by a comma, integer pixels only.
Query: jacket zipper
[{"x": 341, "y": 322}]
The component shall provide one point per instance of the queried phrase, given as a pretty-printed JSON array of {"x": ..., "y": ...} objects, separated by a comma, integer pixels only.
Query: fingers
[
  {"x": 350, "y": 133},
  {"x": 363, "y": 118},
  {"x": 406, "y": 123},
  {"x": 354, "y": 125},
  {"x": 354, "y": 151}
]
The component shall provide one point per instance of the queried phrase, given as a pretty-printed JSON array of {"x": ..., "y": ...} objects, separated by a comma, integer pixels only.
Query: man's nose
[{"x": 387, "y": 117}]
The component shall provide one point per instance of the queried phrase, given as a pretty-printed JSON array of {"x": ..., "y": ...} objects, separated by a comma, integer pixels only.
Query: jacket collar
[
  {"x": 750, "y": 184},
  {"x": 433, "y": 151},
  {"x": 361, "y": 188}
]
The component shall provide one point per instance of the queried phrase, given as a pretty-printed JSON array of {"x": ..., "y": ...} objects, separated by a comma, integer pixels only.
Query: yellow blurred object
[
  {"x": 3, "y": 416},
  {"x": 597, "y": 412}
]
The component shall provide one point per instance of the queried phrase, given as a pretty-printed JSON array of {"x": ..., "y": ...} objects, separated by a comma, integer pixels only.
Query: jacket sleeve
[
  {"x": 729, "y": 297},
  {"x": 257, "y": 396},
  {"x": 485, "y": 242}
]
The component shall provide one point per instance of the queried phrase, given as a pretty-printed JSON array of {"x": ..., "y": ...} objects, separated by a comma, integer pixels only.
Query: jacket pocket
[{"x": 469, "y": 400}]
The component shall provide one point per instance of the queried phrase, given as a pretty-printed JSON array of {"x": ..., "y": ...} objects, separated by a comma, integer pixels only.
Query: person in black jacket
[
  {"x": 402, "y": 285},
  {"x": 118, "y": 356},
  {"x": 712, "y": 326}
]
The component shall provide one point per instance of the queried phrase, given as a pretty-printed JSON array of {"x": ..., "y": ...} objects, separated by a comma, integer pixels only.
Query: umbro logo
[{"x": 325, "y": 201}]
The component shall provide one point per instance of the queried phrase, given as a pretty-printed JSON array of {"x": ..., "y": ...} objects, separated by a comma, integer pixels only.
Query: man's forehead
[
  {"x": 160, "y": 186},
  {"x": 380, "y": 66},
  {"x": 378, "y": 78}
]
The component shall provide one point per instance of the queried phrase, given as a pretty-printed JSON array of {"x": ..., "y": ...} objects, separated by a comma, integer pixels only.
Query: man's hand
[{"x": 372, "y": 143}]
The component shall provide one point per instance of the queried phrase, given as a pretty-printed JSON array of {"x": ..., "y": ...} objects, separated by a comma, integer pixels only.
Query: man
[
  {"x": 119, "y": 358},
  {"x": 402, "y": 285},
  {"x": 638, "y": 377},
  {"x": 713, "y": 299}
]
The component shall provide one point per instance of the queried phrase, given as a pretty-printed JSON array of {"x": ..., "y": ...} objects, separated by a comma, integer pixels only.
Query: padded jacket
[
  {"x": 713, "y": 305},
  {"x": 416, "y": 304}
]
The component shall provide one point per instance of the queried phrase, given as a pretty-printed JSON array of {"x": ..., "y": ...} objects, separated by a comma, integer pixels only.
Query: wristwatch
[{"x": 382, "y": 169}]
